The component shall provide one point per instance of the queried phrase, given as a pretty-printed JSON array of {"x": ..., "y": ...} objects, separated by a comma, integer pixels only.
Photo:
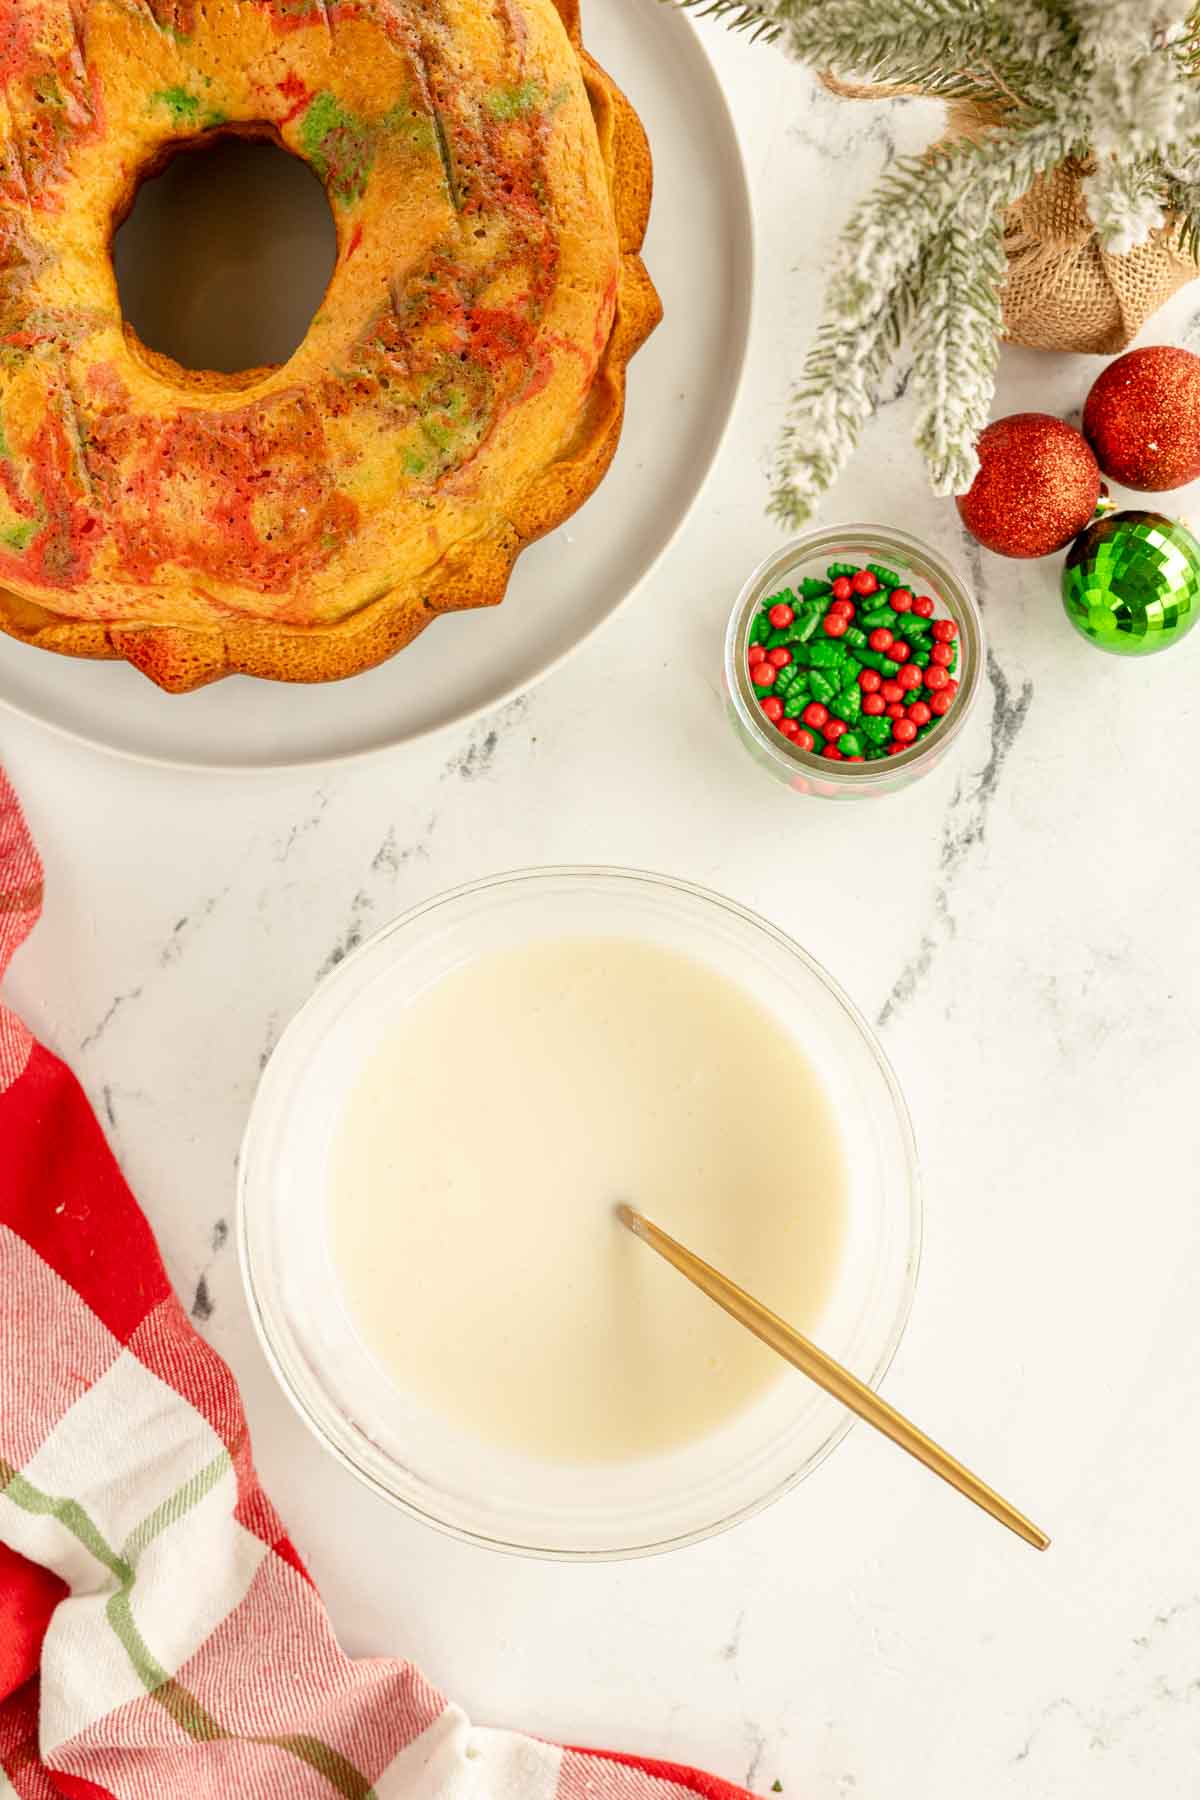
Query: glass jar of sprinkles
[{"x": 834, "y": 649}]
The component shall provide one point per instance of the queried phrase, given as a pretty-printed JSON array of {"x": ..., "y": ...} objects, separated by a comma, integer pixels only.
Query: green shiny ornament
[{"x": 1131, "y": 583}]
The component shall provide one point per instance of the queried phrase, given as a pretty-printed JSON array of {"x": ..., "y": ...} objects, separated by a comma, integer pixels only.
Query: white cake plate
[{"x": 681, "y": 391}]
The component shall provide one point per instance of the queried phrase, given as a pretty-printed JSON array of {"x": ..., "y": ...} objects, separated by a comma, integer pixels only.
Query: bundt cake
[{"x": 458, "y": 393}]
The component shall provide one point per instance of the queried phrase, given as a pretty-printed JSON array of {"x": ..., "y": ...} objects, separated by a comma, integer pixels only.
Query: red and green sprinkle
[
  {"x": 339, "y": 145},
  {"x": 853, "y": 668}
]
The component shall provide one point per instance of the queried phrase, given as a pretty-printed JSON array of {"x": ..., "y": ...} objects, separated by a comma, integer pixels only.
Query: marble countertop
[{"x": 1020, "y": 926}]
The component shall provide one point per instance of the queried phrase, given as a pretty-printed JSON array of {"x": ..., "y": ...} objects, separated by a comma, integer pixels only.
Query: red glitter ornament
[
  {"x": 1036, "y": 489},
  {"x": 1142, "y": 418}
]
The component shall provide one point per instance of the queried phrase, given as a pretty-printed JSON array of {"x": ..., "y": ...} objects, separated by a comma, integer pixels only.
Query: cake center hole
[{"x": 225, "y": 255}]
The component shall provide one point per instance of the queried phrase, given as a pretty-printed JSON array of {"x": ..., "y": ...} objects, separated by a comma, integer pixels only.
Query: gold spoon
[{"x": 829, "y": 1375}]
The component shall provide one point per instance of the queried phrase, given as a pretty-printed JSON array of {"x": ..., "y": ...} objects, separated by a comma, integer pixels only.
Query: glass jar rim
[{"x": 877, "y": 541}]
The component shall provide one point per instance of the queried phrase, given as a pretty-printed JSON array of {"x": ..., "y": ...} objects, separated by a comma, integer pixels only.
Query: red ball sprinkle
[
  {"x": 842, "y": 609},
  {"x": 864, "y": 583},
  {"x": 899, "y": 651},
  {"x": 901, "y": 599},
  {"x": 832, "y": 752},
  {"x": 904, "y": 731},
  {"x": 952, "y": 687},
  {"x": 779, "y": 657},
  {"x": 870, "y": 680},
  {"x": 832, "y": 729},
  {"x": 804, "y": 740},
  {"x": 756, "y": 653},
  {"x": 781, "y": 615},
  {"x": 881, "y": 638},
  {"x": 895, "y": 711},
  {"x": 773, "y": 707},
  {"x": 919, "y": 713},
  {"x": 788, "y": 727},
  {"x": 935, "y": 677},
  {"x": 892, "y": 691},
  {"x": 815, "y": 714},
  {"x": 910, "y": 676},
  {"x": 873, "y": 705},
  {"x": 941, "y": 703},
  {"x": 941, "y": 653},
  {"x": 856, "y": 759},
  {"x": 763, "y": 673},
  {"x": 893, "y": 749},
  {"x": 836, "y": 624},
  {"x": 843, "y": 588},
  {"x": 923, "y": 607},
  {"x": 943, "y": 630}
]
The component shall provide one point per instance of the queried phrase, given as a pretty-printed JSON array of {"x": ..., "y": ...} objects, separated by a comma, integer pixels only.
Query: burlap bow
[{"x": 1064, "y": 290}]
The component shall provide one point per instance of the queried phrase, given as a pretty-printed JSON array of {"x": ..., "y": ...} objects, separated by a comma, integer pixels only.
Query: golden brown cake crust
[{"x": 474, "y": 568}]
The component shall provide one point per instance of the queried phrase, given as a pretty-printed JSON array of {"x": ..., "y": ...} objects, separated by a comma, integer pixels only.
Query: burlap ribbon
[{"x": 1064, "y": 290}]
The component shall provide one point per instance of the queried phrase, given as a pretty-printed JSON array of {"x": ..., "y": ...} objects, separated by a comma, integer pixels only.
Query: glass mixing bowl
[{"x": 435, "y": 1470}]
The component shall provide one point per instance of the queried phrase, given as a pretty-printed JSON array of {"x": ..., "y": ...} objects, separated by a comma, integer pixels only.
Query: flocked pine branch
[
  {"x": 914, "y": 247},
  {"x": 1116, "y": 81},
  {"x": 955, "y": 48},
  {"x": 956, "y": 345},
  {"x": 1127, "y": 201},
  {"x": 1183, "y": 198}
]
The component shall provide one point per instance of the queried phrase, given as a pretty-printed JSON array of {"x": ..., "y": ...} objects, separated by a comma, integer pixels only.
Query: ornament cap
[{"x": 1106, "y": 506}]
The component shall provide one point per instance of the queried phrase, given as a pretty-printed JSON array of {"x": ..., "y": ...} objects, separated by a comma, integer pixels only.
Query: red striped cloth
[{"x": 159, "y": 1638}]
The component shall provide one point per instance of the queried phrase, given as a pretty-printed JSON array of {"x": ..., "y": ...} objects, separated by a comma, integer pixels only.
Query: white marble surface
[{"x": 1022, "y": 928}]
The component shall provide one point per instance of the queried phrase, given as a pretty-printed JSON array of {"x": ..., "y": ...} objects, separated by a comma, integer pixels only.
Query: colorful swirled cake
[{"x": 459, "y": 392}]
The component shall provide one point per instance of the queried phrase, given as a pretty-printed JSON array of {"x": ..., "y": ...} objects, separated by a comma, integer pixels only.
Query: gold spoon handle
[{"x": 830, "y": 1375}]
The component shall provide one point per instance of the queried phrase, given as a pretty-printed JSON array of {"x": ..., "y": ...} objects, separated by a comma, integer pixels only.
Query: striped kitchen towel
[{"x": 159, "y": 1638}]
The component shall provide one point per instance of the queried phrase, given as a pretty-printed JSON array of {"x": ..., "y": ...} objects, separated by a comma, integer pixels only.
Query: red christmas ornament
[
  {"x": 1036, "y": 489},
  {"x": 1142, "y": 418}
]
